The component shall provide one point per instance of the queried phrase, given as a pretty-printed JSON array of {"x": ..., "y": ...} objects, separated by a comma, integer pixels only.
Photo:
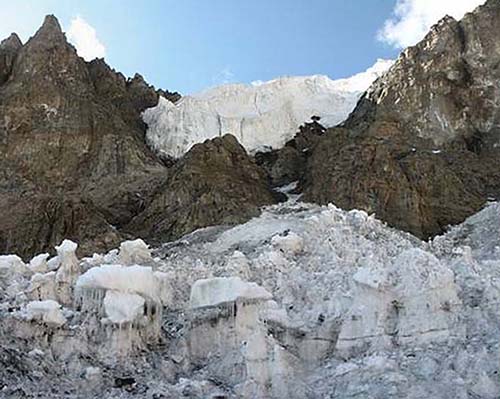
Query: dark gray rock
[
  {"x": 8, "y": 53},
  {"x": 288, "y": 164},
  {"x": 216, "y": 182}
]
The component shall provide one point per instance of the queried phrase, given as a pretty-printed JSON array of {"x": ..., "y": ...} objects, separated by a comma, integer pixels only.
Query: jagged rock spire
[
  {"x": 8, "y": 52},
  {"x": 48, "y": 53},
  {"x": 50, "y": 26},
  {"x": 12, "y": 42},
  {"x": 49, "y": 35},
  {"x": 70, "y": 125}
]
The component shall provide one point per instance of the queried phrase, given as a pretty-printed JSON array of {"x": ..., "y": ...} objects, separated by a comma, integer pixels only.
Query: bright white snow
[
  {"x": 133, "y": 279},
  {"x": 260, "y": 115},
  {"x": 48, "y": 312},
  {"x": 220, "y": 290},
  {"x": 122, "y": 307}
]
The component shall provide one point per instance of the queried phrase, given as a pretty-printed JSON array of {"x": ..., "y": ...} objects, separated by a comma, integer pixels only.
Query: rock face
[
  {"x": 8, "y": 52},
  {"x": 288, "y": 164},
  {"x": 216, "y": 182},
  {"x": 261, "y": 116},
  {"x": 73, "y": 158},
  {"x": 422, "y": 147}
]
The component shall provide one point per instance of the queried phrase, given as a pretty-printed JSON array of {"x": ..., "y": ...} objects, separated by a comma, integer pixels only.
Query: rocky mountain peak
[
  {"x": 50, "y": 28},
  {"x": 12, "y": 42},
  {"x": 8, "y": 52},
  {"x": 48, "y": 54},
  {"x": 70, "y": 124},
  {"x": 435, "y": 87},
  {"x": 50, "y": 37}
]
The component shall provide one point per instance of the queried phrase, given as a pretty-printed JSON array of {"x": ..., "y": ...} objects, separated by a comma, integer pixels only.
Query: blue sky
[{"x": 189, "y": 45}]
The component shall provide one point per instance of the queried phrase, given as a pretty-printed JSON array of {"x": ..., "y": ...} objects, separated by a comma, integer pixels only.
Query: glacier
[
  {"x": 261, "y": 115},
  {"x": 304, "y": 301}
]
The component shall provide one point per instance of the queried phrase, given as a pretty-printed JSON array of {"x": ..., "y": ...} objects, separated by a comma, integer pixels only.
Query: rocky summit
[{"x": 70, "y": 158}]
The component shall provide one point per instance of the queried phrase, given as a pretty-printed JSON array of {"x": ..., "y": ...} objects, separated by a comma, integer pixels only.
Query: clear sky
[{"x": 189, "y": 45}]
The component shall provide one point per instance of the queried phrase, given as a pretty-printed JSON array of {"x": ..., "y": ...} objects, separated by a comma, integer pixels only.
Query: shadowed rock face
[
  {"x": 216, "y": 182},
  {"x": 422, "y": 147},
  {"x": 8, "y": 52},
  {"x": 288, "y": 164},
  {"x": 73, "y": 161}
]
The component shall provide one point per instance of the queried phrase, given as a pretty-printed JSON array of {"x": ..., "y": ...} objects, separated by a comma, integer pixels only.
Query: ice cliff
[{"x": 261, "y": 115}]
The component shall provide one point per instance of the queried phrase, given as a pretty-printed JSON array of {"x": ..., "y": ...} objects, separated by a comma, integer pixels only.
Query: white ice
[
  {"x": 127, "y": 279},
  {"x": 48, "y": 312},
  {"x": 122, "y": 307},
  {"x": 261, "y": 116},
  {"x": 134, "y": 252},
  {"x": 220, "y": 290}
]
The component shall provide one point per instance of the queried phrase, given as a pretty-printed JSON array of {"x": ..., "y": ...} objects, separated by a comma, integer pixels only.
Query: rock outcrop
[
  {"x": 422, "y": 147},
  {"x": 8, "y": 52},
  {"x": 216, "y": 182},
  {"x": 288, "y": 164}
]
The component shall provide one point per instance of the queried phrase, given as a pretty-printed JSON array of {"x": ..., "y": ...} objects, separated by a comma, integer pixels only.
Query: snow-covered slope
[{"x": 261, "y": 115}]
